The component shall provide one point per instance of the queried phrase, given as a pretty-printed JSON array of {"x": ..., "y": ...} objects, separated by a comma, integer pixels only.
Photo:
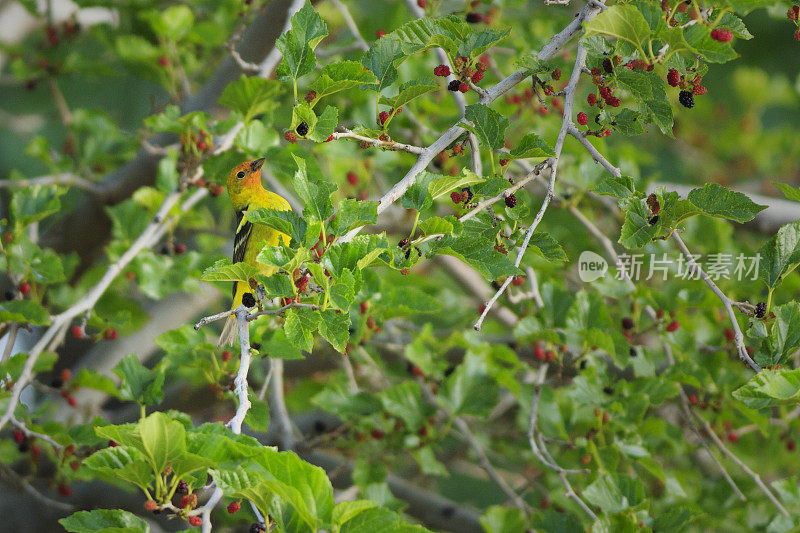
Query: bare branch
[
  {"x": 377, "y": 143},
  {"x": 66, "y": 179}
]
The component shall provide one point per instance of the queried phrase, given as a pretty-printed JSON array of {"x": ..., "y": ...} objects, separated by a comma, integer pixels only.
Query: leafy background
[{"x": 432, "y": 427}]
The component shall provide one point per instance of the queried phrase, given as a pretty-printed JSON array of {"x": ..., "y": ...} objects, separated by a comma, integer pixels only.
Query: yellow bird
[{"x": 246, "y": 192}]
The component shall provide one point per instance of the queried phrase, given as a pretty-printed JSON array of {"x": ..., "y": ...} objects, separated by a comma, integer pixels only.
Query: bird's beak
[{"x": 256, "y": 164}]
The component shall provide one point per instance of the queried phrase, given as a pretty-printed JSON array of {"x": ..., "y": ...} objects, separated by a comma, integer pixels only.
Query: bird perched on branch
[{"x": 246, "y": 192}]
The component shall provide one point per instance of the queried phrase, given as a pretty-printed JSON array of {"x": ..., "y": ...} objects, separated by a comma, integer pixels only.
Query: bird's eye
[{"x": 240, "y": 174}]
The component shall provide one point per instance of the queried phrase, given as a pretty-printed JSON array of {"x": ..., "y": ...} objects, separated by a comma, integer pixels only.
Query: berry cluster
[
  {"x": 215, "y": 189},
  {"x": 793, "y": 14},
  {"x": 689, "y": 87},
  {"x": 464, "y": 69}
]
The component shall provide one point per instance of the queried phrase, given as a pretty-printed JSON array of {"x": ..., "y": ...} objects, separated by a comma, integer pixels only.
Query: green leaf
[
  {"x": 408, "y": 93},
  {"x": 443, "y": 185},
  {"x": 225, "y": 270},
  {"x": 628, "y": 122},
  {"x": 531, "y": 145},
  {"x": 341, "y": 76},
  {"x": 285, "y": 221},
  {"x": 487, "y": 124},
  {"x": 699, "y": 38},
  {"x": 297, "y": 45},
  {"x": 614, "y": 492},
  {"x": 499, "y": 519},
  {"x": 255, "y": 138},
  {"x": 121, "y": 462},
  {"x": 104, "y": 521},
  {"x": 438, "y": 225},
  {"x": 780, "y": 255},
  {"x": 354, "y": 255},
  {"x": 33, "y": 204},
  {"x": 277, "y": 345},
  {"x": 555, "y": 522},
  {"x": 300, "y": 325},
  {"x": 173, "y": 23},
  {"x": 344, "y": 511},
  {"x": 784, "y": 337},
  {"x": 163, "y": 440},
  {"x": 326, "y": 124},
  {"x": 621, "y": 187},
  {"x": 405, "y": 402},
  {"x": 251, "y": 96},
  {"x": 382, "y": 59},
  {"x": 735, "y": 24},
  {"x": 717, "y": 201},
  {"x": 352, "y": 213},
  {"x": 469, "y": 390},
  {"x": 334, "y": 327},
  {"x": 788, "y": 191},
  {"x": 24, "y": 312},
  {"x": 769, "y": 388},
  {"x": 477, "y": 251},
  {"x": 92, "y": 379},
  {"x": 258, "y": 415},
  {"x": 545, "y": 245},
  {"x": 315, "y": 193},
  {"x": 636, "y": 230},
  {"x": 417, "y": 196},
  {"x": 635, "y": 82},
  {"x": 622, "y": 22},
  {"x": 138, "y": 383}
]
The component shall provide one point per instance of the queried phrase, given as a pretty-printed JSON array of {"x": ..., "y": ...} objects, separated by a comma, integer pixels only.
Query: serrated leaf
[
  {"x": 769, "y": 388},
  {"x": 614, "y": 493},
  {"x": 24, "y": 312},
  {"x": 487, "y": 124},
  {"x": 354, "y": 255},
  {"x": 341, "y": 76},
  {"x": 545, "y": 245},
  {"x": 297, "y": 45},
  {"x": 138, "y": 383},
  {"x": 326, "y": 124},
  {"x": 636, "y": 230},
  {"x": 735, "y": 24},
  {"x": 618, "y": 187},
  {"x": 287, "y": 222},
  {"x": 382, "y": 59},
  {"x": 443, "y": 185},
  {"x": 121, "y": 462},
  {"x": 699, "y": 38},
  {"x": 788, "y": 191},
  {"x": 315, "y": 193},
  {"x": 418, "y": 195},
  {"x": 300, "y": 326},
  {"x": 353, "y": 214},
  {"x": 635, "y": 82},
  {"x": 225, "y": 270},
  {"x": 622, "y": 22},
  {"x": 531, "y": 145},
  {"x": 251, "y": 96},
  {"x": 163, "y": 440},
  {"x": 780, "y": 255},
  {"x": 334, "y": 327},
  {"x": 499, "y": 519},
  {"x": 628, "y": 122},
  {"x": 104, "y": 521},
  {"x": 436, "y": 226},
  {"x": 717, "y": 201},
  {"x": 408, "y": 93}
]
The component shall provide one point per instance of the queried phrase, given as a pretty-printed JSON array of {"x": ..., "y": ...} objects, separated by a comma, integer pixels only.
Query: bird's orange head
[{"x": 243, "y": 180}]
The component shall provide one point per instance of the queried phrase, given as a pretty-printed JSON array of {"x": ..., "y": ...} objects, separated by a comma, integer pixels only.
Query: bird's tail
[{"x": 231, "y": 329}]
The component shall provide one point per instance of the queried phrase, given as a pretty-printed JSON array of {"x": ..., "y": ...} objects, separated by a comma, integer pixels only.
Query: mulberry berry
[
  {"x": 456, "y": 197},
  {"x": 422, "y": 4},
  {"x": 721, "y": 35},
  {"x": 673, "y": 326},
  {"x": 195, "y": 521},
  {"x": 605, "y": 92},
  {"x": 290, "y": 136},
  {"x": 699, "y": 89},
  {"x": 233, "y": 507},
  {"x": 591, "y": 99},
  {"x": 248, "y": 299},
  {"x": 583, "y": 119},
  {"x": 627, "y": 323},
  {"x": 352, "y": 178},
  {"x": 310, "y": 95},
  {"x": 383, "y": 117},
  {"x": 608, "y": 66},
  {"x": 511, "y": 200},
  {"x": 474, "y": 17},
  {"x": 761, "y": 310},
  {"x": 442, "y": 70},
  {"x": 463, "y": 87},
  {"x": 673, "y": 77},
  {"x": 613, "y": 101},
  {"x": 453, "y": 85},
  {"x": 477, "y": 77},
  {"x": 793, "y": 13},
  {"x": 686, "y": 99},
  {"x": 556, "y": 74},
  {"x": 302, "y": 129}
]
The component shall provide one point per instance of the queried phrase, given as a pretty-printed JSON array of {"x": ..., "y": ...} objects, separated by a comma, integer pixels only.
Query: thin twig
[
  {"x": 738, "y": 337},
  {"x": 66, "y": 179},
  {"x": 377, "y": 143}
]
